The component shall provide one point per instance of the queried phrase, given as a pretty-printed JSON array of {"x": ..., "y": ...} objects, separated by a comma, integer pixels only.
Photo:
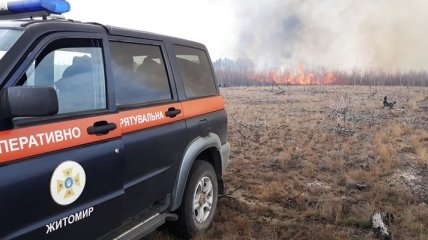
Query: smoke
[{"x": 389, "y": 35}]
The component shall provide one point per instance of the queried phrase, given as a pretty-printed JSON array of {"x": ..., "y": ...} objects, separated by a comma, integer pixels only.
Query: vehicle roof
[
  {"x": 71, "y": 25},
  {"x": 11, "y": 24}
]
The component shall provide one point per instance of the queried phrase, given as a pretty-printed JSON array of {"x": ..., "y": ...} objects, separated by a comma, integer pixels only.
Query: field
[{"x": 315, "y": 162}]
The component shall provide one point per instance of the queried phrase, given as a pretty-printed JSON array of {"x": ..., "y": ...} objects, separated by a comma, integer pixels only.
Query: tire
[{"x": 195, "y": 215}]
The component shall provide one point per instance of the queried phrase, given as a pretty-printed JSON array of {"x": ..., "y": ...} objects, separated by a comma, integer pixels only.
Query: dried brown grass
[
  {"x": 316, "y": 162},
  {"x": 419, "y": 143}
]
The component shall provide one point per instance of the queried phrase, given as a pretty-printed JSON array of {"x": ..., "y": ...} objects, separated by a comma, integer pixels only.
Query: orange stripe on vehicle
[
  {"x": 143, "y": 118},
  {"x": 139, "y": 119},
  {"x": 31, "y": 141},
  {"x": 202, "y": 106}
]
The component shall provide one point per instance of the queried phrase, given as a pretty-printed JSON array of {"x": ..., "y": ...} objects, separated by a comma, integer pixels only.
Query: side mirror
[{"x": 23, "y": 101}]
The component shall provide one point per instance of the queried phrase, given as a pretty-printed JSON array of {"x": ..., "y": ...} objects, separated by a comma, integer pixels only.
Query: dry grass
[
  {"x": 420, "y": 145},
  {"x": 315, "y": 162}
]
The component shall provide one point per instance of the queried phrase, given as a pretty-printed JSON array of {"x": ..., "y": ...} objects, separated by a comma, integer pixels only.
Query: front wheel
[{"x": 199, "y": 200}]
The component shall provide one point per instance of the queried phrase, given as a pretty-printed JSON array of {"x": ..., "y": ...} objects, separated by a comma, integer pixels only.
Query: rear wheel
[{"x": 199, "y": 200}]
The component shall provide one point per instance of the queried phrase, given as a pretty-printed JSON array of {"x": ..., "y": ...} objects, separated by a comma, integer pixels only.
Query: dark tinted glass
[
  {"x": 140, "y": 74},
  {"x": 195, "y": 72}
]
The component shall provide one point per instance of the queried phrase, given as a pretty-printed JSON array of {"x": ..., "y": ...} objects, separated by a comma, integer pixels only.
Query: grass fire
[{"x": 327, "y": 104}]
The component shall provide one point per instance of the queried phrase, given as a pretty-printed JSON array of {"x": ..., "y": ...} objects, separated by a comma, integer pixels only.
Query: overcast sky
[
  {"x": 390, "y": 35},
  {"x": 210, "y": 22}
]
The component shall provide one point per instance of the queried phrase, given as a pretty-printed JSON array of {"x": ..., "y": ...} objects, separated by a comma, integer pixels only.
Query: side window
[
  {"x": 195, "y": 72},
  {"x": 75, "y": 68},
  {"x": 140, "y": 73}
]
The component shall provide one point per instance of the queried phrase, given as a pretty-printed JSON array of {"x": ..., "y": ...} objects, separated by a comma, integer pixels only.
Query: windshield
[{"x": 7, "y": 38}]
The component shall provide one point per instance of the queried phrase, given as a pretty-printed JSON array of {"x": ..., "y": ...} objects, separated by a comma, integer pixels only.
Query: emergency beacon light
[{"x": 34, "y": 6}]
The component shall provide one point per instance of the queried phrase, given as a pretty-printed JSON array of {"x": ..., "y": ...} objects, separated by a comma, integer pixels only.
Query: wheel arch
[{"x": 203, "y": 148}]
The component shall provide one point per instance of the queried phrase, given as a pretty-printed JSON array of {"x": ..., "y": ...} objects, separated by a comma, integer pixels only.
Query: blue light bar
[{"x": 26, "y": 6}]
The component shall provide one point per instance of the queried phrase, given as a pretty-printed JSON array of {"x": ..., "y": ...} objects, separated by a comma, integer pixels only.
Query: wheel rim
[{"x": 203, "y": 199}]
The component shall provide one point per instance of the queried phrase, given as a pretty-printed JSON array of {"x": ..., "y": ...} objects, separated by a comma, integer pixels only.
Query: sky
[
  {"x": 387, "y": 35},
  {"x": 207, "y": 21}
]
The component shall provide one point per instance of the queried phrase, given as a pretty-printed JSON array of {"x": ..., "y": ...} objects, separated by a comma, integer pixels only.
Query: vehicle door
[
  {"x": 151, "y": 121},
  {"x": 204, "y": 106},
  {"x": 61, "y": 176}
]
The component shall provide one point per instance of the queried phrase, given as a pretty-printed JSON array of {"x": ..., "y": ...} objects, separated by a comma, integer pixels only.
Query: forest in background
[{"x": 243, "y": 72}]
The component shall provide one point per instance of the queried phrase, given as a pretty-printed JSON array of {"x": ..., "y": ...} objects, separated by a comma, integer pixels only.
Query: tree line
[{"x": 242, "y": 72}]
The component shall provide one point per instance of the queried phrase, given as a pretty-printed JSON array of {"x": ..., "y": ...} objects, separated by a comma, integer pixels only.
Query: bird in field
[{"x": 387, "y": 104}]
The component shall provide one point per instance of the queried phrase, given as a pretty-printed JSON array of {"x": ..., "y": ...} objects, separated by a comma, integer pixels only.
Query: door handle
[
  {"x": 172, "y": 112},
  {"x": 101, "y": 128}
]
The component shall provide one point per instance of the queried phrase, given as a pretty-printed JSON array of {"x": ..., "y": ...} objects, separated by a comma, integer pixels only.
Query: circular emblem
[{"x": 67, "y": 182}]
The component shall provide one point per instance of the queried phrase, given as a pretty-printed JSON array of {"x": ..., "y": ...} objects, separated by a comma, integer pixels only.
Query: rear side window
[
  {"x": 195, "y": 70},
  {"x": 75, "y": 68},
  {"x": 140, "y": 73}
]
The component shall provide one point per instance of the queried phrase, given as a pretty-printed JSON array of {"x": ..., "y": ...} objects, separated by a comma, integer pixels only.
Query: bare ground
[{"x": 315, "y": 162}]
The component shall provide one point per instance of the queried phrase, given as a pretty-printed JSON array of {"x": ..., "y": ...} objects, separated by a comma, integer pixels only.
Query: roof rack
[{"x": 30, "y": 15}]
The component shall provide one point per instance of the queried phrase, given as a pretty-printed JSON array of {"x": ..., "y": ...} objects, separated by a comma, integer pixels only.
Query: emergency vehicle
[{"x": 105, "y": 132}]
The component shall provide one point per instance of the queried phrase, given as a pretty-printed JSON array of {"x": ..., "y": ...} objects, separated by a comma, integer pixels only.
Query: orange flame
[{"x": 301, "y": 78}]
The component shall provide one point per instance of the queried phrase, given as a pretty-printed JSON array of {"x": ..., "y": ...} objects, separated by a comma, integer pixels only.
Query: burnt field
[{"x": 315, "y": 162}]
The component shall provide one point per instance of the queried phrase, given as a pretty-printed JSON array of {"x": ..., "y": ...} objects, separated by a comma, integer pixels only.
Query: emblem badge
[{"x": 67, "y": 182}]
